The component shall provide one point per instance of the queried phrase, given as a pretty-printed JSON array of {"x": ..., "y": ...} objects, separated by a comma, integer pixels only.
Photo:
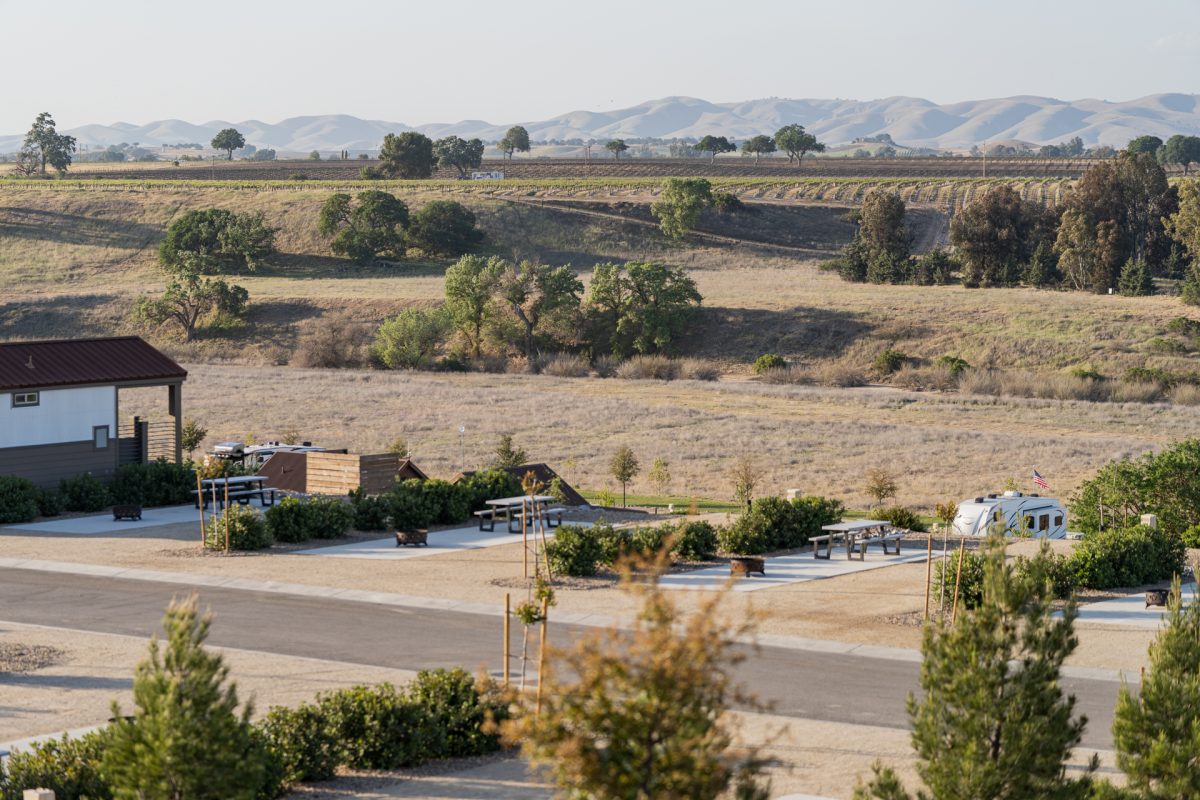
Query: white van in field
[{"x": 1037, "y": 516}]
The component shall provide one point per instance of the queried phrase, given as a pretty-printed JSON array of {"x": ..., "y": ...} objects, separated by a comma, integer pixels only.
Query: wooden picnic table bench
[
  {"x": 892, "y": 537},
  {"x": 855, "y": 534},
  {"x": 241, "y": 488}
]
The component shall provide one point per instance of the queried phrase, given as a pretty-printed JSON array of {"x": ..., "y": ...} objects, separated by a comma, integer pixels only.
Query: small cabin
[
  {"x": 60, "y": 407},
  {"x": 1017, "y": 513}
]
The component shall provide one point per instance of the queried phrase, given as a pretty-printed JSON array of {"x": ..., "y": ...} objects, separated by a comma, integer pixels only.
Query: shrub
[
  {"x": 651, "y": 367},
  {"x": 1155, "y": 375},
  {"x": 412, "y": 508},
  {"x": 490, "y": 484},
  {"x": 613, "y": 541},
  {"x": 458, "y": 711},
  {"x": 83, "y": 493},
  {"x": 927, "y": 379},
  {"x": 286, "y": 520},
  {"x": 747, "y": 536},
  {"x": 970, "y": 585},
  {"x": 901, "y": 517},
  {"x": 18, "y": 499},
  {"x": 728, "y": 203},
  {"x": 329, "y": 344},
  {"x": 566, "y": 365},
  {"x": 1130, "y": 557},
  {"x": 788, "y": 524},
  {"x": 695, "y": 541},
  {"x": 889, "y": 361},
  {"x": 575, "y": 551},
  {"x": 370, "y": 513},
  {"x": 1191, "y": 536},
  {"x": 447, "y": 501},
  {"x": 768, "y": 361},
  {"x": 648, "y": 541},
  {"x": 697, "y": 369},
  {"x": 952, "y": 364},
  {"x": 606, "y": 366},
  {"x": 247, "y": 529},
  {"x": 376, "y": 727},
  {"x": 69, "y": 767},
  {"x": 49, "y": 503},
  {"x": 159, "y": 483},
  {"x": 303, "y": 742},
  {"x": 327, "y": 517}
]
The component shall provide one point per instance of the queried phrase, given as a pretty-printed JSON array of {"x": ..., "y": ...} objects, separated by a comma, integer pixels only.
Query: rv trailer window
[
  {"x": 1027, "y": 523},
  {"x": 1058, "y": 520},
  {"x": 1044, "y": 522}
]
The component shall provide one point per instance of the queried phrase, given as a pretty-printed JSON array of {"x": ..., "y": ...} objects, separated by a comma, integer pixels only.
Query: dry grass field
[{"x": 814, "y": 439}]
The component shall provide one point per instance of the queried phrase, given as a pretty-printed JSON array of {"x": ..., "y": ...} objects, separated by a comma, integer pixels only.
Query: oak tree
[{"x": 228, "y": 140}]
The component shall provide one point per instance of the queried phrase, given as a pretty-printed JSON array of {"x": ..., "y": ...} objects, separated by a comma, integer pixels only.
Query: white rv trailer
[{"x": 1034, "y": 515}]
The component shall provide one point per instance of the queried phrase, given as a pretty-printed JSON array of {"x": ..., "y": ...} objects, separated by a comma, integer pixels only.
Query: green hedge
[
  {"x": 773, "y": 523},
  {"x": 18, "y": 499},
  {"x": 490, "y": 484},
  {"x": 159, "y": 483},
  {"x": 441, "y": 714},
  {"x": 1129, "y": 557},
  {"x": 293, "y": 519},
  {"x": 370, "y": 513},
  {"x": 575, "y": 551},
  {"x": 83, "y": 493},
  {"x": 901, "y": 517}
]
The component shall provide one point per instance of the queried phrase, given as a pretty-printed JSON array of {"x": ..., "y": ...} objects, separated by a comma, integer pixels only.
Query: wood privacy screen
[{"x": 341, "y": 473}]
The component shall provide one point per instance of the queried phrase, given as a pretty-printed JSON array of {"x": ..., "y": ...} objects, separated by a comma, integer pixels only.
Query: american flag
[{"x": 1040, "y": 481}]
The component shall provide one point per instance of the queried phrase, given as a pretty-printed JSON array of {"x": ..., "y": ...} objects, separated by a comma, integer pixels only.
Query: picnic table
[
  {"x": 241, "y": 488},
  {"x": 857, "y": 534},
  {"x": 512, "y": 510}
]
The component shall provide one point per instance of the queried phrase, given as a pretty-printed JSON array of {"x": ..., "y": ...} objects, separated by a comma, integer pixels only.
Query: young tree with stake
[{"x": 624, "y": 467}]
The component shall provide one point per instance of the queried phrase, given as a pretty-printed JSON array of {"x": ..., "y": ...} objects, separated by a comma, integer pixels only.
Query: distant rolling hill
[{"x": 910, "y": 120}]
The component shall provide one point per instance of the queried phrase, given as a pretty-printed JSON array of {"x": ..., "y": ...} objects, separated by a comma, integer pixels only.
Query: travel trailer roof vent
[
  {"x": 978, "y": 499},
  {"x": 1012, "y": 494},
  {"x": 1034, "y": 494},
  {"x": 992, "y": 496}
]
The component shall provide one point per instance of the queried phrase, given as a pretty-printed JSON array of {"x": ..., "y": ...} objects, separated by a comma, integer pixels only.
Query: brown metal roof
[{"x": 78, "y": 362}]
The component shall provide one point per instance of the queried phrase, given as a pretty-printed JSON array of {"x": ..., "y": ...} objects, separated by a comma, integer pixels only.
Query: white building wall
[{"x": 62, "y": 415}]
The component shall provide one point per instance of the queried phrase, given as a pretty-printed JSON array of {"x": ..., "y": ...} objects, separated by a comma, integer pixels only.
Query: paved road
[{"x": 800, "y": 683}]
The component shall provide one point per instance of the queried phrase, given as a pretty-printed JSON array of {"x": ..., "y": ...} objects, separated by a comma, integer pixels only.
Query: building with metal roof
[{"x": 60, "y": 407}]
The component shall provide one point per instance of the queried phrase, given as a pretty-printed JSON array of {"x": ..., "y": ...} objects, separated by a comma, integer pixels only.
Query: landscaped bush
[
  {"x": 767, "y": 362},
  {"x": 1130, "y": 557},
  {"x": 647, "y": 541},
  {"x": 788, "y": 524},
  {"x": 458, "y": 711},
  {"x": 83, "y": 493},
  {"x": 303, "y": 742},
  {"x": 18, "y": 499},
  {"x": 247, "y": 529},
  {"x": 69, "y": 767},
  {"x": 377, "y": 727},
  {"x": 612, "y": 541},
  {"x": 370, "y": 513},
  {"x": 575, "y": 551},
  {"x": 695, "y": 541},
  {"x": 970, "y": 585},
  {"x": 901, "y": 517},
  {"x": 49, "y": 503},
  {"x": 412, "y": 508},
  {"x": 747, "y": 536},
  {"x": 297, "y": 520},
  {"x": 490, "y": 484},
  {"x": 159, "y": 483},
  {"x": 450, "y": 502}
]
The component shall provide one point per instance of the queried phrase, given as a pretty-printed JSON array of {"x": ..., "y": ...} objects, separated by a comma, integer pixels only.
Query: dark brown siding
[{"x": 47, "y": 464}]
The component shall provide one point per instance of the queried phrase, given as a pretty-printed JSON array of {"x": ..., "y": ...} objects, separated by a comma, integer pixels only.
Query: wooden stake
[
  {"x": 540, "y": 525},
  {"x": 507, "y": 618},
  {"x": 226, "y": 513},
  {"x": 200, "y": 506},
  {"x": 928, "y": 572},
  {"x": 962, "y": 543},
  {"x": 216, "y": 533},
  {"x": 524, "y": 539},
  {"x": 542, "y": 654}
]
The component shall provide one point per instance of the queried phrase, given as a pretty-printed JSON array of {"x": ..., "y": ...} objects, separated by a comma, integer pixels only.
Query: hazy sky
[{"x": 447, "y": 60}]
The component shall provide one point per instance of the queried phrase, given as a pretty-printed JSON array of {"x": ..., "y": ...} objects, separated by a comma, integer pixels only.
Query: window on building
[
  {"x": 1058, "y": 520},
  {"x": 100, "y": 437},
  {"x": 25, "y": 399},
  {"x": 1044, "y": 522}
]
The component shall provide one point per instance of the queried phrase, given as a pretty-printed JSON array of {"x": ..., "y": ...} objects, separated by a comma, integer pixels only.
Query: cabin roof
[{"x": 84, "y": 362}]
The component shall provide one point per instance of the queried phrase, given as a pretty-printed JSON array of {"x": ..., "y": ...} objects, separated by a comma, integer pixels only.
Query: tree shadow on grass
[
  {"x": 302, "y": 266},
  {"x": 60, "y": 317},
  {"x": 56, "y": 226},
  {"x": 801, "y": 332}
]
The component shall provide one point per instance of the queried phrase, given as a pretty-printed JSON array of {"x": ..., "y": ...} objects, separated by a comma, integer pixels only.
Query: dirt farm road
[{"x": 803, "y": 684}]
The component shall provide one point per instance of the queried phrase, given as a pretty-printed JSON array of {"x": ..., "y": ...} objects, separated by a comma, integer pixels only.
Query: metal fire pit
[
  {"x": 1157, "y": 597},
  {"x": 415, "y": 538},
  {"x": 127, "y": 511}
]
